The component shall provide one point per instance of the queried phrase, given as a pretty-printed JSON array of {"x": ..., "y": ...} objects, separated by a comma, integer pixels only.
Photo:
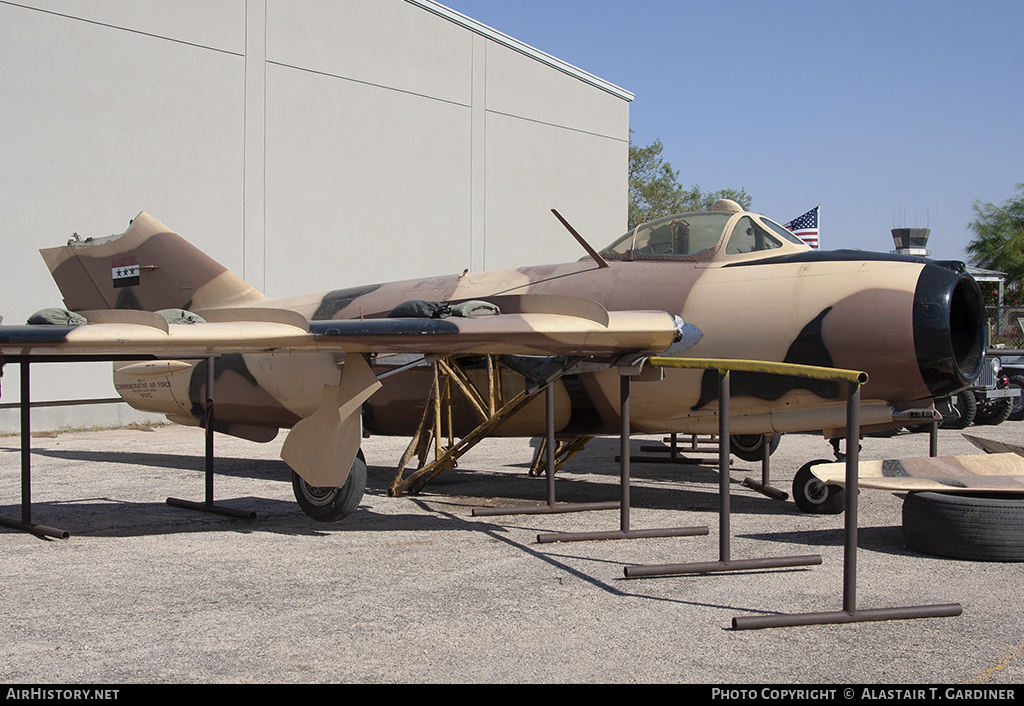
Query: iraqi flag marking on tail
[{"x": 125, "y": 271}]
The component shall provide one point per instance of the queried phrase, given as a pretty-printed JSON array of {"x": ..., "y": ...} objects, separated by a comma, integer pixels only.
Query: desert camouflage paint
[{"x": 916, "y": 327}]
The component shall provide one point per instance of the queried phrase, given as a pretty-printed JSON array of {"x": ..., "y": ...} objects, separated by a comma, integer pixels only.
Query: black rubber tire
[
  {"x": 332, "y": 504},
  {"x": 749, "y": 447},
  {"x": 993, "y": 413},
  {"x": 815, "y": 497},
  {"x": 1017, "y": 405},
  {"x": 968, "y": 406},
  {"x": 971, "y": 527}
]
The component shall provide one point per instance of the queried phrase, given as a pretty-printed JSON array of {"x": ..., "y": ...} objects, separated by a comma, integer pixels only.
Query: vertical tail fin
[{"x": 147, "y": 267}]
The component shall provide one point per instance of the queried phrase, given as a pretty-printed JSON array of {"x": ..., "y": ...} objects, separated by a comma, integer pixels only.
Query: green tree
[
  {"x": 998, "y": 242},
  {"x": 655, "y": 191}
]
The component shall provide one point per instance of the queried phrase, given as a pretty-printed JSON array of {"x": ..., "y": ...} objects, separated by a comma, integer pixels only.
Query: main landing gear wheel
[
  {"x": 749, "y": 447},
  {"x": 332, "y": 504},
  {"x": 971, "y": 527},
  {"x": 814, "y": 496}
]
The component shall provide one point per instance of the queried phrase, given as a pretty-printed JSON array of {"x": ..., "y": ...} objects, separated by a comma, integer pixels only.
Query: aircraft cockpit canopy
[
  {"x": 685, "y": 234},
  {"x": 750, "y": 235},
  {"x": 699, "y": 235}
]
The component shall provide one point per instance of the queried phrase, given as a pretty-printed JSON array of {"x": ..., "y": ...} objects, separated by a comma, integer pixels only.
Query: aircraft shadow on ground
[
  {"x": 456, "y": 490},
  {"x": 113, "y": 517},
  {"x": 884, "y": 540},
  {"x": 267, "y": 469},
  {"x": 689, "y": 490}
]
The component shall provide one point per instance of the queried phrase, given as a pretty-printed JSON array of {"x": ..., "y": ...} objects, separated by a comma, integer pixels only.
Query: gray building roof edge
[{"x": 521, "y": 47}]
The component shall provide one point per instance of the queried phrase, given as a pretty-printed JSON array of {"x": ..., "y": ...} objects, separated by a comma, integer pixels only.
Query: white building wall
[{"x": 307, "y": 146}]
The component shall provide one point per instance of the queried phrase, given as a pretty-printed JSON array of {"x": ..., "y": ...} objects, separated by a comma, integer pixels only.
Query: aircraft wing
[
  {"x": 321, "y": 447},
  {"x": 994, "y": 473},
  {"x": 129, "y": 332}
]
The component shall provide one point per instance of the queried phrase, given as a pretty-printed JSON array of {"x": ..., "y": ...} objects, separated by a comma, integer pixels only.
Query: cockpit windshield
[
  {"x": 683, "y": 235},
  {"x": 749, "y": 236}
]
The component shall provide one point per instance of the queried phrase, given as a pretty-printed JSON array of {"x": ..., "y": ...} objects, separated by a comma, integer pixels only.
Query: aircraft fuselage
[{"x": 752, "y": 289}]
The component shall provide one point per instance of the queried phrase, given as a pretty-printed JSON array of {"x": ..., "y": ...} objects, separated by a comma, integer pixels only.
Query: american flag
[{"x": 805, "y": 227}]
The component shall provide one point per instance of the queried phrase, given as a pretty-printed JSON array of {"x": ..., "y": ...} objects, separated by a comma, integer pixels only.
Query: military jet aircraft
[{"x": 722, "y": 283}]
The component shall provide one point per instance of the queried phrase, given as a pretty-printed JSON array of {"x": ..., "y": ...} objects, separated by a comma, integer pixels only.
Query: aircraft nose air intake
[{"x": 949, "y": 328}]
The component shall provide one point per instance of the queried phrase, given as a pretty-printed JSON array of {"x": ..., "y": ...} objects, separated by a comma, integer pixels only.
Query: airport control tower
[{"x": 911, "y": 241}]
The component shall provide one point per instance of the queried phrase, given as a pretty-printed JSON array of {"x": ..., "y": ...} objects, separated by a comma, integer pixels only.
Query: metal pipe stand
[
  {"x": 552, "y": 507},
  {"x": 25, "y": 523},
  {"x": 725, "y": 562},
  {"x": 849, "y": 613},
  {"x": 624, "y": 531},
  {"x": 208, "y": 505}
]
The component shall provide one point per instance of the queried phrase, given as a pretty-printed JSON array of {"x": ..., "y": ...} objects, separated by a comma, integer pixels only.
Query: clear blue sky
[{"x": 898, "y": 113}]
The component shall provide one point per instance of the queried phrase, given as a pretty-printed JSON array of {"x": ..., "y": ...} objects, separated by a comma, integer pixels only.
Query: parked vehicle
[
  {"x": 993, "y": 398},
  {"x": 1013, "y": 366}
]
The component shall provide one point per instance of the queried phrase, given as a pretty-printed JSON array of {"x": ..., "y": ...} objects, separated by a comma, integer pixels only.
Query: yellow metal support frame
[{"x": 436, "y": 424}]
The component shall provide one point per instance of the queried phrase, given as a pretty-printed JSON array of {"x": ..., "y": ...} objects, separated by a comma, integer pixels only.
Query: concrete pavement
[{"x": 416, "y": 589}]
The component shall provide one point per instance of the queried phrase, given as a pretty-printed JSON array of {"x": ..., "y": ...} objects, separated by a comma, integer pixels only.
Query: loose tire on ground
[
  {"x": 814, "y": 496},
  {"x": 749, "y": 447},
  {"x": 970, "y": 527},
  {"x": 332, "y": 504}
]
